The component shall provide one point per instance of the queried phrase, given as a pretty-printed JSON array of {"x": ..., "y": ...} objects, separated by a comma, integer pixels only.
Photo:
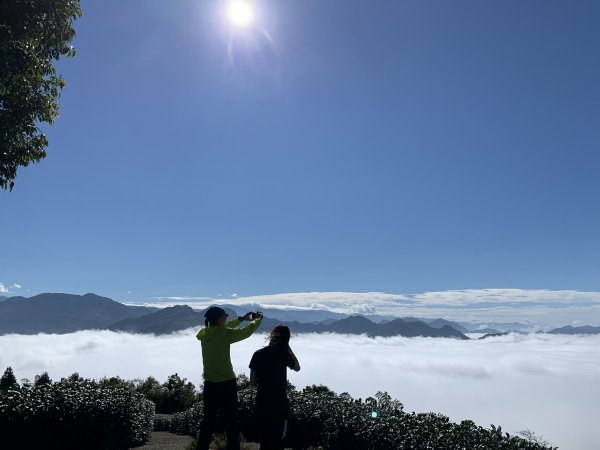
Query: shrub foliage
[
  {"x": 321, "y": 418},
  {"x": 74, "y": 413},
  {"x": 114, "y": 414}
]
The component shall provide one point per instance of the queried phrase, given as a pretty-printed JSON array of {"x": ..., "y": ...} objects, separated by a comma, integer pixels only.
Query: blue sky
[{"x": 357, "y": 146}]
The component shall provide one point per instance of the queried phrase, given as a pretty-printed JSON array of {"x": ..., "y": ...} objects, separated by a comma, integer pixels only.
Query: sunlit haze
[{"x": 240, "y": 13}]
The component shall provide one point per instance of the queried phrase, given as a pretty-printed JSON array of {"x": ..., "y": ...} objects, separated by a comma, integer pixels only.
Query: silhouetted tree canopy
[
  {"x": 33, "y": 34},
  {"x": 42, "y": 379},
  {"x": 8, "y": 380}
]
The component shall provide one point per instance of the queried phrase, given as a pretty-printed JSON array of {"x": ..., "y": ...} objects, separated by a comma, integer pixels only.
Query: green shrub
[
  {"x": 321, "y": 418},
  {"x": 74, "y": 414},
  {"x": 162, "y": 422},
  {"x": 188, "y": 422},
  {"x": 175, "y": 394}
]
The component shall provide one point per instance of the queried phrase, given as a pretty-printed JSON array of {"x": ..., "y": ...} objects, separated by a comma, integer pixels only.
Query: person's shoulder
[
  {"x": 275, "y": 353},
  {"x": 257, "y": 358},
  {"x": 262, "y": 351}
]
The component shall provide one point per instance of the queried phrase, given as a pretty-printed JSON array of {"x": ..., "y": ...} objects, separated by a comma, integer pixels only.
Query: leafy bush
[
  {"x": 175, "y": 394},
  {"x": 338, "y": 422},
  {"x": 188, "y": 422},
  {"x": 322, "y": 418},
  {"x": 73, "y": 414},
  {"x": 162, "y": 422}
]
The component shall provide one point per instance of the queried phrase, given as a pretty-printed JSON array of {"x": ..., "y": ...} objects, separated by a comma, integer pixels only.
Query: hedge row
[
  {"x": 74, "y": 414},
  {"x": 321, "y": 418}
]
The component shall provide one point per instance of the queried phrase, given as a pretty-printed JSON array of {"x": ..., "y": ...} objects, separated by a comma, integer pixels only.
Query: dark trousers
[
  {"x": 271, "y": 431},
  {"x": 220, "y": 399}
]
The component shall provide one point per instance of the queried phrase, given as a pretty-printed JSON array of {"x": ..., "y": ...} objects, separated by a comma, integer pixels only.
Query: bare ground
[{"x": 163, "y": 440}]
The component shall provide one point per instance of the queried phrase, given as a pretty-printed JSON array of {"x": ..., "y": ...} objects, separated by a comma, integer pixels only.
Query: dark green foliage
[
  {"x": 113, "y": 414},
  {"x": 175, "y": 394},
  {"x": 162, "y": 422},
  {"x": 8, "y": 380},
  {"x": 188, "y": 422},
  {"x": 42, "y": 379},
  {"x": 180, "y": 395},
  {"x": 33, "y": 34},
  {"x": 75, "y": 413},
  {"x": 113, "y": 382},
  {"x": 322, "y": 418}
]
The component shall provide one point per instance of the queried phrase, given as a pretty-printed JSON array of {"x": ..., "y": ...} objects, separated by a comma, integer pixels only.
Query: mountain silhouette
[
  {"x": 62, "y": 313},
  {"x": 166, "y": 320},
  {"x": 440, "y": 323},
  {"x": 362, "y": 325},
  {"x": 65, "y": 313},
  {"x": 586, "y": 329}
]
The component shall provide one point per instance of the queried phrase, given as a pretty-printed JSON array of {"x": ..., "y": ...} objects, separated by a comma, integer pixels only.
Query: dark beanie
[{"x": 213, "y": 313}]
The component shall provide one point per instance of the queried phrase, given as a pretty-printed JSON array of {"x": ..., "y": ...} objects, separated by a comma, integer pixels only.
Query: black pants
[
  {"x": 220, "y": 399},
  {"x": 271, "y": 433}
]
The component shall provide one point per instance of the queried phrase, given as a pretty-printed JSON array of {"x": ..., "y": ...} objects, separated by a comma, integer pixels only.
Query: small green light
[{"x": 374, "y": 414}]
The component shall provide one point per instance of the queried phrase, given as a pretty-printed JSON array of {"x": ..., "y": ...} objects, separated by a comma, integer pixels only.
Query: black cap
[{"x": 213, "y": 313}]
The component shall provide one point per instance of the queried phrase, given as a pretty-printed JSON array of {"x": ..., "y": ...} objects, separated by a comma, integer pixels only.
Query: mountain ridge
[
  {"x": 65, "y": 313},
  {"x": 62, "y": 313}
]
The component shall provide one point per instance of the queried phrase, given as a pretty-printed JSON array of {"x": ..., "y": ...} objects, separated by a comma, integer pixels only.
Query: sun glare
[{"x": 240, "y": 13}]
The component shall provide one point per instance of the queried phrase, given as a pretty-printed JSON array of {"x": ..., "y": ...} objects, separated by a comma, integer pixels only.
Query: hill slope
[
  {"x": 163, "y": 321},
  {"x": 62, "y": 313}
]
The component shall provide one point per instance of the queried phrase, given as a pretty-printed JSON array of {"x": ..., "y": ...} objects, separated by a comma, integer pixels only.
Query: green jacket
[{"x": 215, "y": 348}]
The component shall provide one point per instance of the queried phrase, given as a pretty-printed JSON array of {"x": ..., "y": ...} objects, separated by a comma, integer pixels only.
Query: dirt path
[{"x": 162, "y": 440}]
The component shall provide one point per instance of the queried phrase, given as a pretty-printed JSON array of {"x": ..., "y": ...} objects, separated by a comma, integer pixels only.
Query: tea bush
[
  {"x": 188, "y": 422},
  {"x": 321, "y": 418},
  {"x": 162, "y": 422},
  {"x": 73, "y": 414}
]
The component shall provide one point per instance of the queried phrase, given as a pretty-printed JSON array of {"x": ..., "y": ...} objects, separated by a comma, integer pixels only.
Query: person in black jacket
[{"x": 268, "y": 371}]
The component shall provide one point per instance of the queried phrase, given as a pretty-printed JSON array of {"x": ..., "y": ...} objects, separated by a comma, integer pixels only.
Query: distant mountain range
[
  {"x": 180, "y": 317},
  {"x": 585, "y": 329},
  {"x": 66, "y": 313},
  {"x": 63, "y": 313}
]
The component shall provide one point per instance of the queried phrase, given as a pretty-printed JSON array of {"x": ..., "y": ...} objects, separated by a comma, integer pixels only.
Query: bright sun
[{"x": 240, "y": 13}]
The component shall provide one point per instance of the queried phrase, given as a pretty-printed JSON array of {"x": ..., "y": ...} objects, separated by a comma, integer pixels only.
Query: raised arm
[
  {"x": 233, "y": 323},
  {"x": 295, "y": 365},
  {"x": 239, "y": 334}
]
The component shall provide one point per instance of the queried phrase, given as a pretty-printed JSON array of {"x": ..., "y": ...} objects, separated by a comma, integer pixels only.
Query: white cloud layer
[
  {"x": 550, "y": 308},
  {"x": 7, "y": 289},
  {"x": 550, "y": 384}
]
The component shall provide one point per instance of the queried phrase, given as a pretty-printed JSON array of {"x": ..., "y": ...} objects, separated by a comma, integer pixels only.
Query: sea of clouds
[{"x": 549, "y": 384}]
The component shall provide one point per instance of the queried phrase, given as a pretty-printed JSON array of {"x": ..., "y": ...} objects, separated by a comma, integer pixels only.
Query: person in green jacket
[{"x": 220, "y": 388}]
